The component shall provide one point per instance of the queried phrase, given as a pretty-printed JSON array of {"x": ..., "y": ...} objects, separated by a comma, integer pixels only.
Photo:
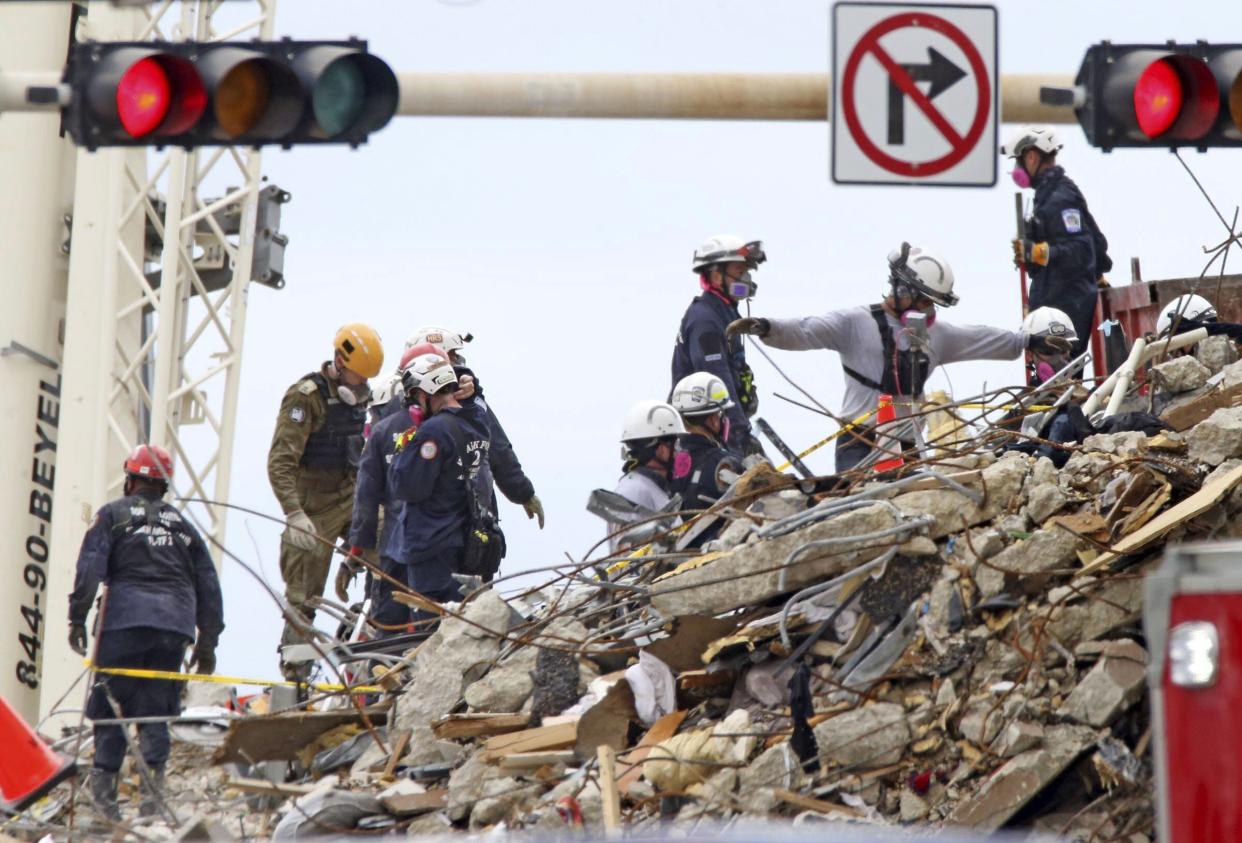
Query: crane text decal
[{"x": 43, "y": 481}]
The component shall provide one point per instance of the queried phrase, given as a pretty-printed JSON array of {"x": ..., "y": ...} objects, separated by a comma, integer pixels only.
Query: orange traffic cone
[
  {"x": 28, "y": 767},
  {"x": 886, "y": 412}
]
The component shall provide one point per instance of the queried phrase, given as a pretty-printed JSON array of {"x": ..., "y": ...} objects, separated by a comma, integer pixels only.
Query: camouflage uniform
[{"x": 311, "y": 466}]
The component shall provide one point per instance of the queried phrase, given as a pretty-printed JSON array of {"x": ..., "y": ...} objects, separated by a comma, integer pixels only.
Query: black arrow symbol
[{"x": 942, "y": 73}]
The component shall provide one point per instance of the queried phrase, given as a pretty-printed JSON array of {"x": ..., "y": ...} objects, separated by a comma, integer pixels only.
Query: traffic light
[
  {"x": 1161, "y": 95},
  {"x": 238, "y": 93}
]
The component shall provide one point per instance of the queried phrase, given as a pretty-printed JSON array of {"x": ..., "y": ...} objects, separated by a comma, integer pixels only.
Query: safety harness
[{"x": 905, "y": 372}]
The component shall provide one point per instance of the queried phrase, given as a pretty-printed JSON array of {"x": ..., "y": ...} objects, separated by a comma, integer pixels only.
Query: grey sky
[{"x": 564, "y": 246}]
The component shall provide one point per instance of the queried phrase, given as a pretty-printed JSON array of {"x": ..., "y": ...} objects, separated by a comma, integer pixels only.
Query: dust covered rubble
[{"x": 917, "y": 651}]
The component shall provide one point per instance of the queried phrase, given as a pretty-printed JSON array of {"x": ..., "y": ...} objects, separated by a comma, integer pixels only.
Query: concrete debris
[
  {"x": 1215, "y": 353},
  {"x": 1112, "y": 686},
  {"x": 1181, "y": 374},
  {"x": 1218, "y": 438},
  {"x": 967, "y": 640}
]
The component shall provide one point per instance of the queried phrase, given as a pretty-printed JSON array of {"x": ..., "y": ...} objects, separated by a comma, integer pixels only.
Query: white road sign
[{"x": 915, "y": 95}]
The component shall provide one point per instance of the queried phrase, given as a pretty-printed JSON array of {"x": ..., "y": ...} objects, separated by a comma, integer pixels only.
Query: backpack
[{"x": 485, "y": 543}]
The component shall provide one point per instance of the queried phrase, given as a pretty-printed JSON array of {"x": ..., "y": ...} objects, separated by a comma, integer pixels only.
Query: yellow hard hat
[{"x": 360, "y": 349}]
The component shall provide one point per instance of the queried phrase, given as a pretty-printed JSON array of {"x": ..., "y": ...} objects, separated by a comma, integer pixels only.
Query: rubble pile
[{"x": 956, "y": 644}]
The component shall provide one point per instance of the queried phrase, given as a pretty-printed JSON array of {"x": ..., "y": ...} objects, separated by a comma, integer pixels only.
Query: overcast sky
[{"x": 564, "y": 245}]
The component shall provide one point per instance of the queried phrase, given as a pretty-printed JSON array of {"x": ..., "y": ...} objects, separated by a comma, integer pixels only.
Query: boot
[
  {"x": 151, "y": 793},
  {"x": 103, "y": 791}
]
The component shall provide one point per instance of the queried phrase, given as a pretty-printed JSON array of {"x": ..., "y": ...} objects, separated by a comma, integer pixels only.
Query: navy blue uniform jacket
[
  {"x": 701, "y": 347},
  {"x": 157, "y": 569},
  {"x": 371, "y": 487},
  {"x": 1077, "y": 250},
  {"x": 426, "y": 477}
]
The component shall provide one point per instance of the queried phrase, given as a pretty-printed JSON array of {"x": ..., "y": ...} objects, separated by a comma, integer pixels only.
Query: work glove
[
  {"x": 534, "y": 509},
  {"x": 1049, "y": 346},
  {"x": 203, "y": 658},
  {"x": 1028, "y": 252},
  {"x": 300, "y": 531},
  {"x": 77, "y": 638},
  {"x": 756, "y": 325},
  {"x": 465, "y": 388},
  {"x": 1102, "y": 283},
  {"x": 346, "y": 573}
]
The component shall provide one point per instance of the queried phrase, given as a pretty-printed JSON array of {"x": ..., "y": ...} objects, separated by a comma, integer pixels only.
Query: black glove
[
  {"x": 77, "y": 638},
  {"x": 1049, "y": 345},
  {"x": 204, "y": 657},
  {"x": 756, "y": 325}
]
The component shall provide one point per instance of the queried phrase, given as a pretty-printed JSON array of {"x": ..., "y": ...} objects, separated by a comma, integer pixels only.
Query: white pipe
[
  {"x": 1149, "y": 351},
  {"x": 1126, "y": 376},
  {"x": 1158, "y": 347}
]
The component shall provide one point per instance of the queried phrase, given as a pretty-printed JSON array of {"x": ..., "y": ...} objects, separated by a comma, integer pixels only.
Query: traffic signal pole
[
  {"x": 623, "y": 96},
  {"x": 671, "y": 96}
]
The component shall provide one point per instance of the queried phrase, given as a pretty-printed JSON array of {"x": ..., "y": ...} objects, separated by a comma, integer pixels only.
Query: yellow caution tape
[
  {"x": 140, "y": 673},
  {"x": 821, "y": 443}
]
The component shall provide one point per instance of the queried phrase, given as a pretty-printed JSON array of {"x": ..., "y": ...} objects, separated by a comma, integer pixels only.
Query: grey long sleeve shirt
[{"x": 854, "y": 335}]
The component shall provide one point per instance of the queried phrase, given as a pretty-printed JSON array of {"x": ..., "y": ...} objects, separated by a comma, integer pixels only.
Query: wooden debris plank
[
  {"x": 279, "y": 737},
  {"x": 528, "y": 760},
  {"x": 457, "y": 726},
  {"x": 408, "y": 804},
  {"x": 1198, "y": 503},
  {"x": 267, "y": 788},
  {"x": 810, "y": 803},
  {"x": 530, "y": 740},
  {"x": 608, "y": 791},
  {"x": 660, "y": 731},
  {"x": 398, "y": 751}
]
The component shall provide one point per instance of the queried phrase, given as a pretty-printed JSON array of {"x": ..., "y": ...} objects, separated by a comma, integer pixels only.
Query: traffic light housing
[
  {"x": 251, "y": 93},
  {"x": 1161, "y": 95}
]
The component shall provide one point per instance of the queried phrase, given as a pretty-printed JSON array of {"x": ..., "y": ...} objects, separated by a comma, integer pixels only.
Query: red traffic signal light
[
  {"x": 1142, "y": 95},
  {"x": 247, "y": 93}
]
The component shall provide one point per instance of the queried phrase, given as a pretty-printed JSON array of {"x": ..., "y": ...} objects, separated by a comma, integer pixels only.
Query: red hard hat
[
  {"x": 416, "y": 350},
  {"x": 150, "y": 461}
]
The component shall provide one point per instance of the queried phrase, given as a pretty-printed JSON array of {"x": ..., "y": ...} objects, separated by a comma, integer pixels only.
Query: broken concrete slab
[
  {"x": 867, "y": 737},
  {"x": 466, "y": 783},
  {"x": 506, "y": 686},
  {"x": 777, "y": 766},
  {"x": 752, "y": 573},
  {"x": 1215, "y": 353},
  {"x": 1018, "y": 737},
  {"x": 1022, "y": 778},
  {"x": 1044, "y": 501},
  {"x": 1217, "y": 438},
  {"x": 455, "y": 656},
  {"x": 1000, "y": 484},
  {"x": 1181, "y": 374},
  {"x": 1046, "y": 550},
  {"x": 912, "y": 807},
  {"x": 1113, "y": 685},
  {"x": 281, "y": 737}
]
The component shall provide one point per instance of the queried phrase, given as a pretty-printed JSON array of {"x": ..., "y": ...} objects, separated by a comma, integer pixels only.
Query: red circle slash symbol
[{"x": 960, "y": 145}]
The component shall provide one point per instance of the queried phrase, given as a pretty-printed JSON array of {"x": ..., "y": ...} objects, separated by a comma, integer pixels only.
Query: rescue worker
[
  {"x": 1190, "y": 312},
  {"x": 1064, "y": 252},
  {"x": 162, "y": 590},
  {"x": 880, "y": 354},
  {"x": 724, "y": 264},
  {"x": 312, "y": 464},
  {"x": 376, "y": 511},
  {"x": 649, "y": 442},
  {"x": 1049, "y": 322},
  {"x": 506, "y": 469},
  {"x": 429, "y": 474},
  {"x": 703, "y": 468}
]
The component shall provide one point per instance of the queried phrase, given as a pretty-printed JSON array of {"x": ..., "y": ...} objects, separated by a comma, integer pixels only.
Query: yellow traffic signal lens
[{"x": 241, "y": 98}]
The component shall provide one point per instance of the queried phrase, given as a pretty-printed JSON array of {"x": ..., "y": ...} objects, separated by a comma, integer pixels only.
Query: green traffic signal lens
[{"x": 338, "y": 97}]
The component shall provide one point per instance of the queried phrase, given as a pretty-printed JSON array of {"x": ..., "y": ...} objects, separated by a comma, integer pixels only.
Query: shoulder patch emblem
[
  {"x": 429, "y": 450},
  {"x": 307, "y": 387},
  {"x": 1072, "y": 218},
  {"x": 297, "y": 414}
]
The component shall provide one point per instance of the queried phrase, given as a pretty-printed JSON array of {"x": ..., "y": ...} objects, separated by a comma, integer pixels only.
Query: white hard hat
[
  {"x": 1042, "y": 138},
  {"x": 651, "y": 420},
  {"x": 383, "y": 393},
  {"x": 925, "y": 271},
  {"x": 728, "y": 248},
  {"x": 1189, "y": 306},
  {"x": 1048, "y": 322},
  {"x": 428, "y": 372},
  {"x": 701, "y": 394},
  {"x": 441, "y": 338}
]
